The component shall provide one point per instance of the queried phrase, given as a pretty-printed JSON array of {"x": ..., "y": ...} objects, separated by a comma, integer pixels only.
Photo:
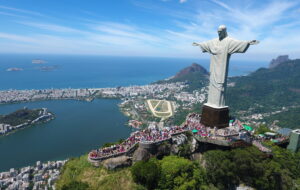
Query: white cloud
[
  {"x": 20, "y": 10},
  {"x": 51, "y": 27},
  {"x": 11, "y": 14},
  {"x": 269, "y": 23},
  {"x": 182, "y": 1},
  {"x": 18, "y": 38},
  {"x": 275, "y": 24}
]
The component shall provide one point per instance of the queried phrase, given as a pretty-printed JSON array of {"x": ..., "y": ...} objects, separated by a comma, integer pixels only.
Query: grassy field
[
  {"x": 154, "y": 103},
  {"x": 79, "y": 170},
  {"x": 160, "y": 108}
]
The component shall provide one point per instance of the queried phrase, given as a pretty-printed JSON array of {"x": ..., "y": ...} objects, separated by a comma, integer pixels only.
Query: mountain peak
[
  {"x": 192, "y": 69},
  {"x": 280, "y": 59}
]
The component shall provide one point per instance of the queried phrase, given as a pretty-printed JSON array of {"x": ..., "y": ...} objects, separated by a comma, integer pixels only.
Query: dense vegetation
[
  {"x": 267, "y": 89},
  {"x": 171, "y": 172},
  {"x": 20, "y": 116},
  {"x": 216, "y": 169},
  {"x": 289, "y": 119},
  {"x": 223, "y": 170},
  {"x": 251, "y": 167},
  {"x": 79, "y": 174}
]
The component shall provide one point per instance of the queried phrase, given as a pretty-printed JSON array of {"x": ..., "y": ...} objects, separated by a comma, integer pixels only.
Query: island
[
  {"x": 38, "y": 61},
  {"x": 23, "y": 118},
  {"x": 14, "y": 69}
]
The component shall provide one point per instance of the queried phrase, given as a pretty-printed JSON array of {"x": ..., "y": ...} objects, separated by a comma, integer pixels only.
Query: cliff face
[{"x": 280, "y": 59}]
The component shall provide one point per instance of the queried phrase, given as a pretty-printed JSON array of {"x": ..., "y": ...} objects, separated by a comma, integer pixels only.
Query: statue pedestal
[{"x": 215, "y": 117}]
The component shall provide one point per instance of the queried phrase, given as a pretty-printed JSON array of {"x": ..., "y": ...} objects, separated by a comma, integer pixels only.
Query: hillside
[
  {"x": 266, "y": 90},
  {"x": 20, "y": 116},
  {"x": 79, "y": 174},
  {"x": 213, "y": 169}
]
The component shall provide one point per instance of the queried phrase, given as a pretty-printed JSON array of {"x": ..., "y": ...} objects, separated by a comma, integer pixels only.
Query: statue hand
[
  {"x": 253, "y": 42},
  {"x": 195, "y": 44}
]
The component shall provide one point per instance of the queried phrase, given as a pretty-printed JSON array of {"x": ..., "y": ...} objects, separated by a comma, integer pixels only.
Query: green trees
[
  {"x": 249, "y": 166},
  {"x": 20, "y": 116},
  {"x": 146, "y": 173},
  {"x": 179, "y": 173},
  {"x": 223, "y": 169},
  {"x": 172, "y": 172},
  {"x": 262, "y": 129}
]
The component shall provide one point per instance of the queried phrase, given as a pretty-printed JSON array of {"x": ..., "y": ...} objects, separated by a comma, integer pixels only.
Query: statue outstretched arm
[
  {"x": 239, "y": 46},
  {"x": 204, "y": 46},
  {"x": 195, "y": 44},
  {"x": 253, "y": 42}
]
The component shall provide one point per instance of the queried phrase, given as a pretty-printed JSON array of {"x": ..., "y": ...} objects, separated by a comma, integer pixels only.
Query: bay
[{"x": 78, "y": 128}]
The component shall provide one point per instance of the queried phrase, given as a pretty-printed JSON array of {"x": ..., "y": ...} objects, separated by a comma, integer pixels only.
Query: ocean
[
  {"x": 97, "y": 71},
  {"x": 80, "y": 126}
]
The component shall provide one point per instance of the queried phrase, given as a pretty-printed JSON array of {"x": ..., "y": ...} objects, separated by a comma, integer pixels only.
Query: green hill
[
  {"x": 266, "y": 89},
  {"x": 20, "y": 116}
]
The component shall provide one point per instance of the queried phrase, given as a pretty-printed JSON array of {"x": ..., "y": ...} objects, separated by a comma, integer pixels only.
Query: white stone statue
[{"x": 221, "y": 49}]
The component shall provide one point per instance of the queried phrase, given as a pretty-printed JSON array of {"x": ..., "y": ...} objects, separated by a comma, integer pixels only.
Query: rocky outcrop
[
  {"x": 141, "y": 154},
  {"x": 278, "y": 60},
  {"x": 179, "y": 139},
  {"x": 194, "y": 145},
  {"x": 163, "y": 150},
  {"x": 118, "y": 162}
]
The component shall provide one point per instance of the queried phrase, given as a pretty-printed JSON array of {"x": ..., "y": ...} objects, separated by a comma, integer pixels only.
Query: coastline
[{"x": 44, "y": 117}]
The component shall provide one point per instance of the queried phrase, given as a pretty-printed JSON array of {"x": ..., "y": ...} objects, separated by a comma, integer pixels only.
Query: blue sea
[
  {"x": 80, "y": 126},
  {"x": 98, "y": 71}
]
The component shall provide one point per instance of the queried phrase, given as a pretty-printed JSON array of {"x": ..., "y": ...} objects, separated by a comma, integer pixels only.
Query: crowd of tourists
[
  {"x": 149, "y": 135},
  {"x": 154, "y": 135},
  {"x": 193, "y": 123}
]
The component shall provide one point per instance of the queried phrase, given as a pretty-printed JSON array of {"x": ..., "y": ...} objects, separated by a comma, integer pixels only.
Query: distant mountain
[
  {"x": 267, "y": 90},
  {"x": 195, "y": 75},
  {"x": 278, "y": 60},
  {"x": 194, "y": 68}
]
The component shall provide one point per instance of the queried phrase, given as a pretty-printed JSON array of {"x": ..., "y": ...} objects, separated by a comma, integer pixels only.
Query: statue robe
[{"x": 220, "y": 51}]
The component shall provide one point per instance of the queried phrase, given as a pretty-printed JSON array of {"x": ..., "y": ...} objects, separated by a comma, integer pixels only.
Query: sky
[{"x": 158, "y": 28}]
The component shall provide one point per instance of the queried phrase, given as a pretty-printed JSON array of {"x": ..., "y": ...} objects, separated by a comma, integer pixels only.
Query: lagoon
[{"x": 79, "y": 127}]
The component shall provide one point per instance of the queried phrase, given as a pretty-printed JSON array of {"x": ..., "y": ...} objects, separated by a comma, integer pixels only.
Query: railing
[{"x": 133, "y": 146}]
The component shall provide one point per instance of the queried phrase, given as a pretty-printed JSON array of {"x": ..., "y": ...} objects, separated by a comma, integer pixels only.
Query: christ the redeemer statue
[{"x": 221, "y": 49}]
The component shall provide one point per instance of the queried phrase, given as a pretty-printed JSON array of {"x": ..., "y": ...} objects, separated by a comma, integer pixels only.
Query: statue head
[{"x": 222, "y": 32}]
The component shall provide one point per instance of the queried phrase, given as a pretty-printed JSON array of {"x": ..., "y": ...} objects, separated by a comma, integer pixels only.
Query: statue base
[{"x": 215, "y": 117}]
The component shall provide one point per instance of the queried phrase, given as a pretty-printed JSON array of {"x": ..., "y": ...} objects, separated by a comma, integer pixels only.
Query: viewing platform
[{"x": 232, "y": 136}]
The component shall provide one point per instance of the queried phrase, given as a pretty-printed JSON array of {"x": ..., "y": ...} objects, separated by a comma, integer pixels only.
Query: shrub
[
  {"x": 75, "y": 185},
  {"x": 146, "y": 173}
]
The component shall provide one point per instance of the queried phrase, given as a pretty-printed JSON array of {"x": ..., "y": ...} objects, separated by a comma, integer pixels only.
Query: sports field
[{"x": 160, "y": 108}]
